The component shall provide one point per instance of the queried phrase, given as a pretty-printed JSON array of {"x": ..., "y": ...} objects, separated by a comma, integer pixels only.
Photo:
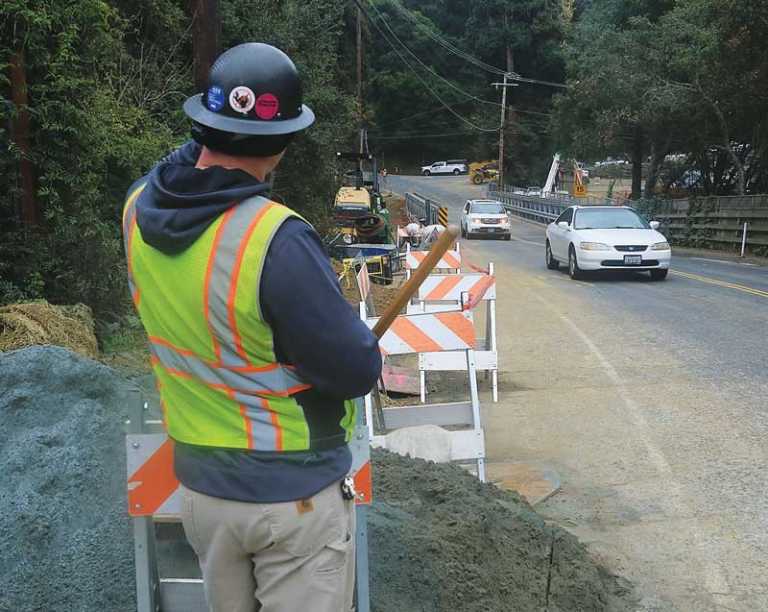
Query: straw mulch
[{"x": 35, "y": 323}]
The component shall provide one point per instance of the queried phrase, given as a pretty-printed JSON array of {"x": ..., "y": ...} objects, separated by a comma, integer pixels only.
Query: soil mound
[
  {"x": 442, "y": 541},
  {"x": 65, "y": 537},
  {"x": 36, "y": 323}
]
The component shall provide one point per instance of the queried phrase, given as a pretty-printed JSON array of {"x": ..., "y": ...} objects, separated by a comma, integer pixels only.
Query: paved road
[{"x": 649, "y": 399}]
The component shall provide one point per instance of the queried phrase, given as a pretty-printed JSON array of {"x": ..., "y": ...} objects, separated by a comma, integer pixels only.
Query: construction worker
[{"x": 255, "y": 351}]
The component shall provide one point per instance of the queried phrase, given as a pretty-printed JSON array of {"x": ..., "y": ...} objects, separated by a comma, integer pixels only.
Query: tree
[{"x": 661, "y": 77}]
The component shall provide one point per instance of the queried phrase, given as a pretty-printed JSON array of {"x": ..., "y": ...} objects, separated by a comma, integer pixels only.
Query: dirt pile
[
  {"x": 65, "y": 538},
  {"x": 40, "y": 323},
  {"x": 442, "y": 541}
]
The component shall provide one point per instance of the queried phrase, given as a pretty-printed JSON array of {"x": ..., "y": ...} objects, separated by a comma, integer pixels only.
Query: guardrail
[
  {"x": 422, "y": 208},
  {"x": 533, "y": 208},
  {"x": 715, "y": 222}
]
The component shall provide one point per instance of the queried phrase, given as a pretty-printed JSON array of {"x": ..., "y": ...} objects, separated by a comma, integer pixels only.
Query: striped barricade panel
[
  {"x": 153, "y": 489},
  {"x": 421, "y": 333},
  {"x": 450, "y": 287},
  {"x": 450, "y": 261},
  {"x": 454, "y": 291}
]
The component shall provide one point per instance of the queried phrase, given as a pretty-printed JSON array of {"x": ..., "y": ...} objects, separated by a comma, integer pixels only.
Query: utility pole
[
  {"x": 504, "y": 86},
  {"x": 206, "y": 27},
  {"x": 360, "y": 84},
  {"x": 21, "y": 133}
]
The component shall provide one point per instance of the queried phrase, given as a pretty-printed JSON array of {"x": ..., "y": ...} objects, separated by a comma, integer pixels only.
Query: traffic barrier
[
  {"x": 442, "y": 216},
  {"x": 421, "y": 209},
  {"x": 443, "y": 333},
  {"x": 445, "y": 293},
  {"x": 450, "y": 262},
  {"x": 154, "y": 497},
  {"x": 364, "y": 287}
]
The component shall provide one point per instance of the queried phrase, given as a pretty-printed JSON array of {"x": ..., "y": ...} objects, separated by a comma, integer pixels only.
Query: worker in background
[{"x": 256, "y": 353}]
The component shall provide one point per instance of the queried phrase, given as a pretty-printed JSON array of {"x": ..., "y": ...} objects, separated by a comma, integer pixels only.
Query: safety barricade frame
[
  {"x": 443, "y": 293},
  {"x": 449, "y": 262},
  {"x": 144, "y": 438},
  {"x": 467, "y": 445}
]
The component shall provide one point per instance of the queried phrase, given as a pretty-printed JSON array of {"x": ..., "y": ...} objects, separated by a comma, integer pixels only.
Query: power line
[
  {"x": 431, "y": 110},
  {"x": 420, "y": 136},
  {"x": 466, "y": 56},
  {"x": 427, "y": 68},
  {"x": 445, "y": 43},
  {"x": 418, "y": 76},
  {"x": 517, "y": 77}
]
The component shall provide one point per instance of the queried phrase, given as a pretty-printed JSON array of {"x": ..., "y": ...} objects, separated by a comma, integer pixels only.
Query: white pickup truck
[{"x": 452, "y": 166}]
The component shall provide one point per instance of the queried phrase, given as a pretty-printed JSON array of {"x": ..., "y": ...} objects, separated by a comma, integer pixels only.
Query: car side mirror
[
  {"x": 563, "y": 224},
  {"x": 655, "y": 225}
]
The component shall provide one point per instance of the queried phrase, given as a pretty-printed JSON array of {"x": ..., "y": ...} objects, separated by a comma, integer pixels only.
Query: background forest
[{"x": 91, "y": 92}]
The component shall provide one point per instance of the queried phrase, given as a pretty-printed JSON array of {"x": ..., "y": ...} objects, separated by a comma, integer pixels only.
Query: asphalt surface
[{"x": 649, "y": 399}]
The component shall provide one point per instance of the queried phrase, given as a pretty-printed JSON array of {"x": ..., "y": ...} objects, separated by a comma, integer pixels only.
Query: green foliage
[
  {"x": 90, "y": 139},
  {"x": 688, "y": 76},
  {"x": 402, "y": 110},
  {"x": 106, "y": 80}
]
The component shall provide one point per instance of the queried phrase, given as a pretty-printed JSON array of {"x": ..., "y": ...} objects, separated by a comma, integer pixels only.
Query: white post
[
  {"x": 368, "y": 401},
  {"x": 744, "y": 239}
]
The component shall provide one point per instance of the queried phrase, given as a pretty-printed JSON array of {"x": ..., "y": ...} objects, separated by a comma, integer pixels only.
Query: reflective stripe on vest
[
  {"x": 129, "y": 226},
  {"x": 212, "y": 351}
]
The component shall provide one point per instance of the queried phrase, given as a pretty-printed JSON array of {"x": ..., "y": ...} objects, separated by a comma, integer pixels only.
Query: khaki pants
[{"x": 288, "y": 557}]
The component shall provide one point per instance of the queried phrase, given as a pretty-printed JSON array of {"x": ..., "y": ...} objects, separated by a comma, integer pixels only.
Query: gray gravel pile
[
  {"x": 65, "y": 538},
  {"x": 443, "y": 541},
  {"x": 440, "y": 540}
]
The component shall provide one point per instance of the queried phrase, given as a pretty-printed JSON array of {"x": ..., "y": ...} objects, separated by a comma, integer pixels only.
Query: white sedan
[
  {"x": 485, "y": 217},
  {"x": 606, "y": 238}
]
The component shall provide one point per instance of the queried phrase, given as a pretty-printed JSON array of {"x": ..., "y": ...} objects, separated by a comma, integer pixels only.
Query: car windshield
[
  {"x": 487, "y": 208},
  {"x": 609, "y": 218}
]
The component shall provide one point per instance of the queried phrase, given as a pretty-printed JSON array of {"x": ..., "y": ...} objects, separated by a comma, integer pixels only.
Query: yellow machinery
[{"x": 483, "y": 171}]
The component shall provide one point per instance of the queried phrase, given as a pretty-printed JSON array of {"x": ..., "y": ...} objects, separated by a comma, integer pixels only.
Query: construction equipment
[{"x": 483, "y": 172}]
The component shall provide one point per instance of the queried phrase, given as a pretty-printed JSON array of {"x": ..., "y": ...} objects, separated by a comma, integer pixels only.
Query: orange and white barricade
[
  {"x": 154, "y": 496},
  {"x": 441, "y": 293},
  {"x": 428, "y": 333},
  {"x": 449, "y": 263},
  {"x": 364, "y": 287}
]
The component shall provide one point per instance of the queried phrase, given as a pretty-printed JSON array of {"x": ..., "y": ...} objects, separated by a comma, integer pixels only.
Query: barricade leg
[
  {"x": 423, "y": 385},
  {"x": 147, "y": 581},
  {"x": 362, "y": 589},
  {"x": 145, "y": 555},
  {"x": 475, "y": 399}
]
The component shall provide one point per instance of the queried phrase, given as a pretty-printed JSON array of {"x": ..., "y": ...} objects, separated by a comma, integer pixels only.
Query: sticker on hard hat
[
  {"x": 214, "y": 99},
  {"x": 267, "y": 106},
  {"x": 242, "y": 99}
]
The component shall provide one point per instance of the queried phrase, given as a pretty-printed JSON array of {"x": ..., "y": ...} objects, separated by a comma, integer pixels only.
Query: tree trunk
[
  {"x": 637, "y": 164},
  {"x": 21, "y": 135},
  {"x": 206, "y": 27},
  {"x": 658, "y": 153}
]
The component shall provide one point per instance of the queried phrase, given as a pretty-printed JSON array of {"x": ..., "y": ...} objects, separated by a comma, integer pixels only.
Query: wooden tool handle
[{"x": 407, "y": 291}]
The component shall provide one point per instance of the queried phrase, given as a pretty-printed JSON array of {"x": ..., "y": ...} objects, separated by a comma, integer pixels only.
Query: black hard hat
[{"x": 253, "y": 89}]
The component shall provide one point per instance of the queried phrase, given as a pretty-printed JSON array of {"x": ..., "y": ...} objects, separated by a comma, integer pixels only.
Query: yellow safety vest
[{"x": 212, "y": 352}]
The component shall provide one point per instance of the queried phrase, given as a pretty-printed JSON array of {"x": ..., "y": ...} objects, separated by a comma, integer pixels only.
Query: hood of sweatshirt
[{"x": 180, "y": 201}]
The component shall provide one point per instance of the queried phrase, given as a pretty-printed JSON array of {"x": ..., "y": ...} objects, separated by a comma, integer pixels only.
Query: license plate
[{"x": 633, "y": 260}]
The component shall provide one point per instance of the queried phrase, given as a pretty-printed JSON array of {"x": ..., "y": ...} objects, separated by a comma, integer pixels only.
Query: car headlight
[
  {"x": 475, "y": 222},
  {"x": 594, "y": 246},
  {"x": 660, "y": 246}
]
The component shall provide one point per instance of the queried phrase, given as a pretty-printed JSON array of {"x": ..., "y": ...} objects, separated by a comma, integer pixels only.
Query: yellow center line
[{"x": 719, "y": 283}]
